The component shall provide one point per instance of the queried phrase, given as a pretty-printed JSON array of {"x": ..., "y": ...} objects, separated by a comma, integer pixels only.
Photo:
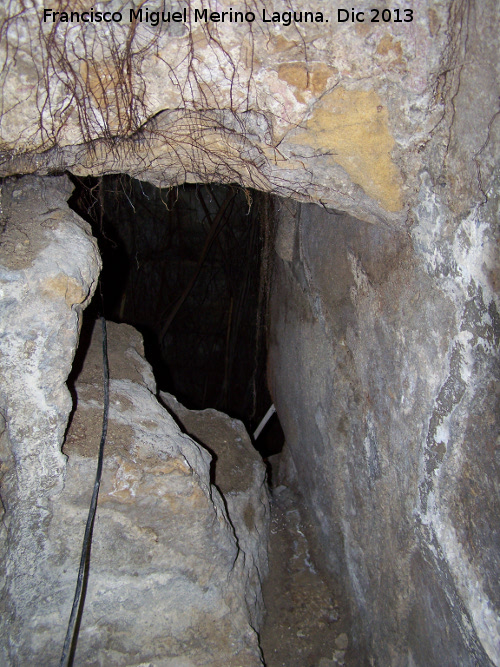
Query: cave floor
[{"x": 307, "y": 623}]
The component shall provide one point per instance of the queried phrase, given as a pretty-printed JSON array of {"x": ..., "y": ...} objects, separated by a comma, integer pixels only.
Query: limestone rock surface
[
  {"x": 310, "y": 106},
  {"x": 172, "y": 579},
  {"x": 240, "y": 475},
  {"x": 388, "y": 394},
  {"x": 49, "y": 266},
  {"x": 384, "y": 337}
]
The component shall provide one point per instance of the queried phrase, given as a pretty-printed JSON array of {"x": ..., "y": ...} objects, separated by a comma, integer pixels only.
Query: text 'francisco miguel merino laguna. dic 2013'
[{"x": 200, "y": 15}]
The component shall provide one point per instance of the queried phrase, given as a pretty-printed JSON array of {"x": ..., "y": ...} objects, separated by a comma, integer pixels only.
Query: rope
[{"x": 78, "y": 601}]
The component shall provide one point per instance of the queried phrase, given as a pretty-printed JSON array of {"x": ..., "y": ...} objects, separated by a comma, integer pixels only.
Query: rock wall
[
  {"x": 175, "y": 574},
  {"x": 49, "y": 268},
  {"x": 240, "y": 476},
  {"x": 309, "y": 107},
  {"x": 384, "y": 324},
  {"x": 385, "y": 381},
  {"x": 173, "y": 578},
  {"x": 384, "y": 369}
]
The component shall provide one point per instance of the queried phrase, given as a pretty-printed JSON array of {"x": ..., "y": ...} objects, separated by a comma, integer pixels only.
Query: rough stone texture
[
  {"x": 384, "y": 371},
  {"x": 304, "y": 612},
  {"x": 240, "y": 475},
  {"x": 330, "y": 111},
  {"x": 170, "y": 578},
  {"x": 175, "y": 579},
  {"x": 48, "y": 269},
  {"x": 384, "y": 357}
]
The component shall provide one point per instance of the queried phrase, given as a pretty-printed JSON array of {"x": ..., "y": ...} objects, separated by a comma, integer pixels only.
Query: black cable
[{"x": 71, "y": 635}]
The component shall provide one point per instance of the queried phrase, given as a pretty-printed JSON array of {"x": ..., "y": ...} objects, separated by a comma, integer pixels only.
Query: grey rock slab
[
  {"x": 49, "y": 266},
  {"x": 167, "y": 570},
  {"x": 240, "y": 475}
]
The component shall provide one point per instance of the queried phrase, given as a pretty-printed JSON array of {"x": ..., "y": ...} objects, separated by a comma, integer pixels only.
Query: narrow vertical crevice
[{"x": 190, "y": 268}]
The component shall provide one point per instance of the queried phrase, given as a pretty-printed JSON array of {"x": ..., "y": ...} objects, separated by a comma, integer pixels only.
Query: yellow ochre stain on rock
[
  {"x": 352, "y": 125},
  {"x": 62, "y": 286},
  {"x": 302, "y": 77}
]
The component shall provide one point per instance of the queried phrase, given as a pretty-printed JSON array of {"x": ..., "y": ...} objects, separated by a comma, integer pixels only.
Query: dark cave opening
[{"x": 189, "y": 267}]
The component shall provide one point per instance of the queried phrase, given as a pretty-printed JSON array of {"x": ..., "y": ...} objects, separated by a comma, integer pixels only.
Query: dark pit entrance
[{"x": 190, "y": 268}]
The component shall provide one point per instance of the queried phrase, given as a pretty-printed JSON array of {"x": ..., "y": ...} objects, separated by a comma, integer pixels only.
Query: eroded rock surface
[
  {"x": 385, "y": 361},
  {"x": 384, "y": 336},
  {"x": 315, "y": 107},
  {"x": 171, "y": 580},
  {"x": 172, "y": 575},
  {"x": 240, "y": 475},
  {"x": 49, "y": 266}
]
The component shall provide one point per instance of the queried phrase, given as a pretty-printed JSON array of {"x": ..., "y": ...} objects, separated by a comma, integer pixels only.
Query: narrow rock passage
[{"x": 306, "y": 623}]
